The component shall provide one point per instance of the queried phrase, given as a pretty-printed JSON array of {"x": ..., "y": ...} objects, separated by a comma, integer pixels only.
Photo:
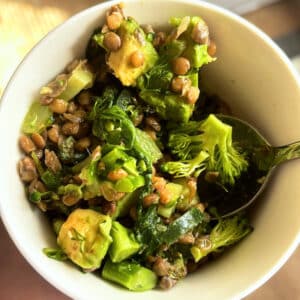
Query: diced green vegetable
[
  {"x": 182, "y": 225},
  {"x": 169, "y": 106},
  {"x": 124, "y": 204},
  {"x": 129, "y": 183},
  {"x": 85, "y": 237},
  {"x": 37, "y": 119},
  {"x": 80, "y": 78},
  {"x": 116, "y": 158},
  {"x": 198, "y": 55},
  {"x": 130, "y": 275},
  {"x": 166, "y": 212},
  {"x": 147, "y": 145},
  {"x": 124, "y": 243}
]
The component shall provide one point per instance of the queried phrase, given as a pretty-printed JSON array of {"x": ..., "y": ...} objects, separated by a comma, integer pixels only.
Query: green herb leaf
[{"x": 56, "y": 254}]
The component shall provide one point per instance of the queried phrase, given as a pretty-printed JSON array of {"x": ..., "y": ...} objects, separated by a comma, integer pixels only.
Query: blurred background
[{"x": 24, "y": 22}]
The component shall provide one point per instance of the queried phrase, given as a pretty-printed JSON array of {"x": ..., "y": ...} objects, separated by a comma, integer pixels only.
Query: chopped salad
[{"x": 114, "y": 148}]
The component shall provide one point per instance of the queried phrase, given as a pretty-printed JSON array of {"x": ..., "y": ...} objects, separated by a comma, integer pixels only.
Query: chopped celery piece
[
  {"x": 130, "y": 275},
  {"x": 124, "y": 243},
  {"x": 38, "y": 118}
]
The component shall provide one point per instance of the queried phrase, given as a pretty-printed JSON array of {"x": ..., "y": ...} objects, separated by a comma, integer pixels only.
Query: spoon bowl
[{"x": 262, "y": 158}]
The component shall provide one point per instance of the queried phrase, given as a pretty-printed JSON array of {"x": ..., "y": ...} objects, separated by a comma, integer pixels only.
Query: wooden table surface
[{"x": 22, "y": 24}]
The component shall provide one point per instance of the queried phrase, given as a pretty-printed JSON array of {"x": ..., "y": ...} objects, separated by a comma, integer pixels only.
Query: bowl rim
[{"x": 55, "y": 282}]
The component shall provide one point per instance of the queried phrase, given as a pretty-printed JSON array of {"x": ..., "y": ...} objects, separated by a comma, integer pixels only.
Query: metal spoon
[{"x": 262, "y": 158}]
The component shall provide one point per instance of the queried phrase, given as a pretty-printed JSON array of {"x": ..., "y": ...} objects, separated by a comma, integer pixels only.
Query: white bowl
[{"x": 259, "y": 83}]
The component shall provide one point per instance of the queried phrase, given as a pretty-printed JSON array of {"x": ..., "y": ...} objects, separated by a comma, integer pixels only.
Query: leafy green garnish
[{"x": 56, "y": 254}]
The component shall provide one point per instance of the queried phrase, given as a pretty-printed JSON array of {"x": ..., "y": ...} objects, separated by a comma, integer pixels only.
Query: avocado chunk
[
  {"x": 175, "y": 192},
  {"x": 130, "y": 275},
  {"x": 133, "y": 39},
  {"x": 118, "y": 159},
  {"x": 124, "y": 243},
  {"x": 169, "y": 106},
  {"x": 85, "y": 238}
]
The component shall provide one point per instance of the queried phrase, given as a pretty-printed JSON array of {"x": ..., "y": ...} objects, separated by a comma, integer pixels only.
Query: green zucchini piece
[
  {"x": 182, "y": 225},
  {"x": 130, "y": 275}
]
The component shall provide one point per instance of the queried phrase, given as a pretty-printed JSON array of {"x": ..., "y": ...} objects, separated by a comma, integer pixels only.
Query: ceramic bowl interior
[{"x": 251, "y": 74}]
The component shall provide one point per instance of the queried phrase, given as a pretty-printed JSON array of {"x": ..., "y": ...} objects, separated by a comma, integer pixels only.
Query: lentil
[
  {"x": 27, "y": 169},
  {"x": 112, "y": 41},
  {"x": 26, "y": 144},
  {"x": 200, "y": 33},
  {"x": 137, "y": 59},
  {"x": 70, "y": 128},
  {"x": 82, "y": 144},
  {"x": 150, "y": 199},
  {"x": 116, "y": 175},
  {"x": 181, "y": 65},
  {"x": 114, "y": 20},
  {"x": 53, "y": 134},
  {"x": 52, "y": 161},
  {"x": 38, "y": 140},
  {"x": 58, "y": 106}
]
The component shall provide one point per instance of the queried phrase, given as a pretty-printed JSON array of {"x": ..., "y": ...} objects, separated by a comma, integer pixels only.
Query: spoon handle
[
  {"x": 285, "y": 153},
  {"x": 267, "y": 157}
]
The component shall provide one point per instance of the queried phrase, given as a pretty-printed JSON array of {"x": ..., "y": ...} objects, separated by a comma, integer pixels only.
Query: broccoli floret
[
  {"x": 227, "y": 232},
  {"x": 185, "y": 168},
  {"x": 215, "y": 138}
]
